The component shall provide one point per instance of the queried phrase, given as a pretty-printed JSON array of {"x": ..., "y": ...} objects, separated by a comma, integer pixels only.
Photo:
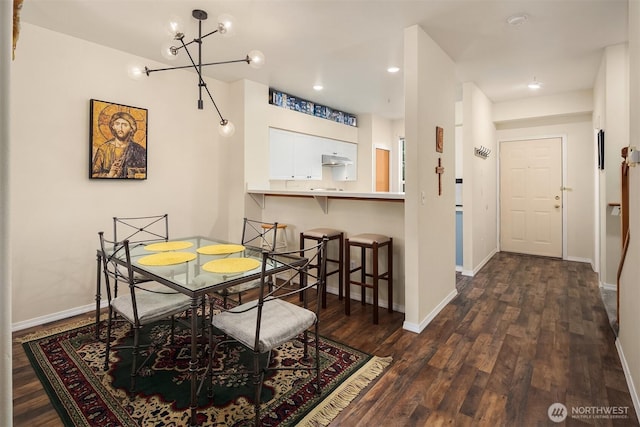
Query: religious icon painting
[
  {"x": 118, "y": 141},
  {"x": 439, "y": 139}
]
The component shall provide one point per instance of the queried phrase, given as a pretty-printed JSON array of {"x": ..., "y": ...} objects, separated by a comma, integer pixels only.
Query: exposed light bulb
[
  {"x": 174, "y": 26},
  {"x": 226, "y": 25},
  {"x": 226, "y": 128},
  {"x": 136, "y": 72},
  {"x": 169, "y": 51},
  {"x": 256, "y": 59},
  {"x": 393, "y": 69},
  {"x": 318, "y": 87}
]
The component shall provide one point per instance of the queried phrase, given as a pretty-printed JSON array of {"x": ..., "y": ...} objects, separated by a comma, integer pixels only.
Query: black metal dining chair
[
  {"x": 146, "y": 303},
  {"x": 276, "y": 317},
  {"x": 256, "y": 237}
]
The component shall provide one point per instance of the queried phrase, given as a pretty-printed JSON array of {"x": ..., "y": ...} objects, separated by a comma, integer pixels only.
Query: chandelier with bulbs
[{"x": 255, "y": 59}]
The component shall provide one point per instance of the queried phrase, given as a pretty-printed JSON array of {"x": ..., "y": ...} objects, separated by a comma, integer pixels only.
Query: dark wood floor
[{"x": 524, "y": 333}]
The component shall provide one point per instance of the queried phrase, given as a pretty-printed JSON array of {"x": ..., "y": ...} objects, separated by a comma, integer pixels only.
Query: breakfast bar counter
[
  {"x": 350, "y": 212},
  {"x": 322, "y": 196}
]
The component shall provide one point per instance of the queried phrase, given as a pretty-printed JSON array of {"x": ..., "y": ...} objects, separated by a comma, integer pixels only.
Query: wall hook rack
[{"x": 482, "y": 152}]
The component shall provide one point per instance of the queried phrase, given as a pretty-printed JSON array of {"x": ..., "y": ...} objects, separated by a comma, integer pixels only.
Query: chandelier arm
[
  {"x": 183, "y": 67},
  {"x": 195, "y": 67},
  {"x": 222, "y": 119},
  {"x": 202, "y": 84}
]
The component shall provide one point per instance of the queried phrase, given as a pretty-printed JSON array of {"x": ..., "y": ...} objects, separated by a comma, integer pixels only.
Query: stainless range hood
[{"x": 333, "y": 160}]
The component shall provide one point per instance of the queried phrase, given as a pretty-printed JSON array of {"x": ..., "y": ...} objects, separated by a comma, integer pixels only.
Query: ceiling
[{"x": 347, "y": 45}]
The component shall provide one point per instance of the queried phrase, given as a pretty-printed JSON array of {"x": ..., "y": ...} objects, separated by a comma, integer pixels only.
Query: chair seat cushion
[
  {"x": 281, "y": 322},
  {"x": 369, "y": 239},
  {"x": 319, "y": 233},
  {"x": 152, "y": 306}
]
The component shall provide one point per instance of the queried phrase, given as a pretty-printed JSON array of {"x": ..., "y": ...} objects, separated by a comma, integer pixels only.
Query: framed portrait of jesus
[{"x": 118, "y": 141}]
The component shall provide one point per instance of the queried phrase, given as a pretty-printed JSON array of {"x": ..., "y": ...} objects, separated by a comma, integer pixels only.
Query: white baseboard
[
  {"x": 579, "y": 259},
  {"x": 61, "y": 315},
  {"x": 417, "y": 328},
  {"x": 627, "y": 374},
  {"x": 478, "y": 267},
  {"x": 608, "y": 286}
]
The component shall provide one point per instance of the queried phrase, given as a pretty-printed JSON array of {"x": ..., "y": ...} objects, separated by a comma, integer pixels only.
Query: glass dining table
[{"x": 196, "y": 266}]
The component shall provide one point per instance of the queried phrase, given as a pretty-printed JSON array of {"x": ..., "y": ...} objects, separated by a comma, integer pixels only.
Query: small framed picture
[
  {"x": 118, "y": 141},
  {"x": 439, "y": 139},
  {"x": 601, "y": 149}
]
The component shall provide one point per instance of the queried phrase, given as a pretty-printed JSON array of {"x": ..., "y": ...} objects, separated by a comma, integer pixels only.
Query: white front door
[{"x": 531, "y": 196}]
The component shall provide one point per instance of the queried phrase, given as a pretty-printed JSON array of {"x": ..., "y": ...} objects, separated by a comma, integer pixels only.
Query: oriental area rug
[{"x": 70, "y": 365}]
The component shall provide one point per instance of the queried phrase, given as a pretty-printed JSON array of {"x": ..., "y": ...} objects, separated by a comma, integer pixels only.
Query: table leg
[
  {"x": 193, "y": 363},
  {"x": 98, "y": 286}
]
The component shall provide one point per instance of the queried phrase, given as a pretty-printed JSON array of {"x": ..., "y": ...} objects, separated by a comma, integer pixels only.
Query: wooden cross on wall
[{"x": 439, "y": 171}]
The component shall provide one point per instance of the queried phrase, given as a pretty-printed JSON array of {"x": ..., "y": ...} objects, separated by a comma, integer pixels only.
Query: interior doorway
[
  {"x": 382, "y": 169},
  {"x": 531, "y": 196}
]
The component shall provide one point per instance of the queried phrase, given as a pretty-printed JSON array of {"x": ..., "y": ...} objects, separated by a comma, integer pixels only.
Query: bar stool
[
  {"x": 318, "y": 234},
  {"x": 374, "y": 242},
  {"x": 281, "y": 236}
]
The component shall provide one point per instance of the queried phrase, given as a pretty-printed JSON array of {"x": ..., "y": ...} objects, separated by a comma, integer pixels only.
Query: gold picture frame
[{"x": 118, "y": 141}]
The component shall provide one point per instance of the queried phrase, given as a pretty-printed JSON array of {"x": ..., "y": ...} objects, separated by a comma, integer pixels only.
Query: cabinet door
[
  {"x": 347, "y": 172},
  {"x": 307, "y": 158},
  {"x": 281, "y": 154}
]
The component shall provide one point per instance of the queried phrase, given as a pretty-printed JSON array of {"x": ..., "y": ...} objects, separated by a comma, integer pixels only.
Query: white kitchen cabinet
[
  {"x": 281, "y": 154},
  {"x": 294, "y": 156}
]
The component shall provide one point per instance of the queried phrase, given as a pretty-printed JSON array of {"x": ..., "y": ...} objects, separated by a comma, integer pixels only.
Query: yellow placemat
[
  {"x": 168, "y": 246},
  {"x": 167, "y": 258},
  {"x": 231, "y": 265},
  {"x": 220, "y": 249}
]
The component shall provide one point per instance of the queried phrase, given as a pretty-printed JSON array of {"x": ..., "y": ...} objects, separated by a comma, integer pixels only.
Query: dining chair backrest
[
  {"x": 304, "y": 282},
  {"x": 259, "y": 234},
  {"x": 143, "y": 229},
  {"x": 113, "y": 273}
]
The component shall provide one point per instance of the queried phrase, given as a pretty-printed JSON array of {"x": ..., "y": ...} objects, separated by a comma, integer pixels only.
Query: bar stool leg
[
  {"x": 375, "y": 283},
  {"x": 390, "y": 275},
  {"x": 363, "y": 276},
  {"x": 341, "y": 267},
  {"x": 347, "y": 278}
]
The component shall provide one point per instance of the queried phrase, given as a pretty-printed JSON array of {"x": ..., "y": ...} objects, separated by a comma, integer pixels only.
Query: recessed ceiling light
[
  {"x": 517, "y": 19},
  {"x": 535, "y": 84},
  {"x": 317, "y": 87},
  {"x": 393, "y": 69}
]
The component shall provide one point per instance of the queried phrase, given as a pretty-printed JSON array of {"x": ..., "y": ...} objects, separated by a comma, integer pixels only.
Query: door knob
[{"x": 557, "y": 206}]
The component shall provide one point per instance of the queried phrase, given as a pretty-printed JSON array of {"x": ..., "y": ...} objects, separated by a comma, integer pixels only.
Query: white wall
[
  {"x": 565, "y": 104},
  {"x": 429, "y": 217},
  {"x": 479, "y": 186},
  {"x": 580, "y": 170},
  {"x": 55, "y": 209},
  {"x": 629, "y": 336}
]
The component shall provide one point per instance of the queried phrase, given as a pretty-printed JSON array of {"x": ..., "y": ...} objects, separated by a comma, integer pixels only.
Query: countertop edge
[{"x": 330, "y": 194}]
